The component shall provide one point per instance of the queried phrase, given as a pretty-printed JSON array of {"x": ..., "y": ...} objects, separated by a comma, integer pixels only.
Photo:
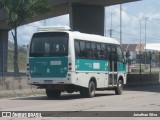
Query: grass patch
[{"x": 21, "y": 60}]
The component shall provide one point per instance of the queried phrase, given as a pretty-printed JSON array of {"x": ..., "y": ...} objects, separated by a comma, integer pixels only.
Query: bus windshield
[{"x": 49, "y": 44}]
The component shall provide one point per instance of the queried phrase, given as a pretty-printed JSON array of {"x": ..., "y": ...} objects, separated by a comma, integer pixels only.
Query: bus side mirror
[{"x": 128, "y": 54}]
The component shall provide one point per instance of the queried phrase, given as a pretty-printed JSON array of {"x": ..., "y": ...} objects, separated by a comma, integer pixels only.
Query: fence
[{"x": 143, "y": 63}]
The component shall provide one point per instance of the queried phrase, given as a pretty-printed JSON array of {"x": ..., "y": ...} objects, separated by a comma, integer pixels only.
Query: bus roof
[
  {"x": 93, "y": 37},
  {"x": 78, "y": 35},
  {"x": 53, "y": 28}
]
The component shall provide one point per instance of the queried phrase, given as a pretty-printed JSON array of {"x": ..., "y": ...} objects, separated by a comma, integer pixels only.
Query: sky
[{"x": 132, "y": 14}]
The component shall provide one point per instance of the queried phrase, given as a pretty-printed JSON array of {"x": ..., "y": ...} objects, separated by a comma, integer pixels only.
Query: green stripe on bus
[
  {"x": 91, "y": 65},
  {"x": 121, "y": 67}
]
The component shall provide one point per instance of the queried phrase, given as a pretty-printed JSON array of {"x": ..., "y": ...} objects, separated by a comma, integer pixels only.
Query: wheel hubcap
[
  {"x": 92, "y": 90},
  {"x": 120, "y": 86}
]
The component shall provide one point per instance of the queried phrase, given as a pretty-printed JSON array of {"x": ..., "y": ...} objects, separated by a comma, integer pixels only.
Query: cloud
[
  {"x": 131, "y": 23},
  {"x": 25, "y": 32},
  {"x": 58, "y": 21}
]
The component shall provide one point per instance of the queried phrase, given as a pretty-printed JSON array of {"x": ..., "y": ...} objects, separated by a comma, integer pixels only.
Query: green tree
[{"x": 19, "y": 13}]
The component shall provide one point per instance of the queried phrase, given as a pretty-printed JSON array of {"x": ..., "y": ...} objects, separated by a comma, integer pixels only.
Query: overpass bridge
[{"x": 85, "y": 16}]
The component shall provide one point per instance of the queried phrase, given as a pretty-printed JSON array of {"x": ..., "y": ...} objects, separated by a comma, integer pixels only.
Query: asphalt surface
[{"x": 142, "y": 98}]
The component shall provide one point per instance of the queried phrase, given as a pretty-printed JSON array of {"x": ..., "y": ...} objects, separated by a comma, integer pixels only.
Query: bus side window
[
  {"x": 77, "y": 49},
  {"x": 83, "y": 53},
  {"x": 109, "y": 52},
  {"x": 103, "y": 52},
  {"x": 114, "y": 54},
  {"x": 94, "y": 50},
  {"x": 98, "y": 53},
  {"x": 120, "y": 54},
  {"x": 88, "y": 50}
]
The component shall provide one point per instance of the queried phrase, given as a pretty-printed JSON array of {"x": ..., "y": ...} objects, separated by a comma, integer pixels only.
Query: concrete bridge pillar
[
  {"x": 87, "y": 18},
  {"x": 3, "y": 50}
]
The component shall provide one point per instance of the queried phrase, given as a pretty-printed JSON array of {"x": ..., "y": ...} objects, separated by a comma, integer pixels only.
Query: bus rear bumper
[
  {"x": 65, "y": 84},
  {"x": 47, "y": 81}
]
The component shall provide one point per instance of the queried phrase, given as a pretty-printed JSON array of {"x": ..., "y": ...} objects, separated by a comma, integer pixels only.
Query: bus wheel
[
  {"x": 82, "y": 92},
  {"x": 119, "y": 87},
  {"x": 90, "y": 91},
  {"x": 53, "y": 93}
]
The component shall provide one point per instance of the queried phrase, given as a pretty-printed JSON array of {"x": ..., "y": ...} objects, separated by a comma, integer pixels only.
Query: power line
[
  {"x": 114, "y": 32},
  {"x": 153, "y": 38},
  {"x": 133, "y": 35},
  {"x": 130, "y": 13},
  {"x": 33, "y": 25},
  {"x": 152, "y": 21}
]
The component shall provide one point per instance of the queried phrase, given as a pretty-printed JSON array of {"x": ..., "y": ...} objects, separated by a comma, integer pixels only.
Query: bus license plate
[{"x": 48, "y": 81}]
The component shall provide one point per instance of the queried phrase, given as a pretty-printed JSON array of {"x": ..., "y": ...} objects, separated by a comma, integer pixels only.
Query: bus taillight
[{"x": 70, "y": 66}]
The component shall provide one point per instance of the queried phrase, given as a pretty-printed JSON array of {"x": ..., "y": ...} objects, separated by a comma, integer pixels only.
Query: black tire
[
  {"x": 119, "y": 88},
  {"x": 82, "y": 92},
  {"x": 53, "y": 93},
  {"x": 90, "y": 91}
]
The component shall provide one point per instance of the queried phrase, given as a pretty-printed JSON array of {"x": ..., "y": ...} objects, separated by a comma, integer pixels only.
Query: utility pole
[
  {"x": 146, "y": 18},
  {"x": 111, "y": 26},
  {"x": 121, "y": 24},
  {"x": 105, "y": 23},
  {"x": 150, "y": 59},
  {"x": 140, "y": 51}
]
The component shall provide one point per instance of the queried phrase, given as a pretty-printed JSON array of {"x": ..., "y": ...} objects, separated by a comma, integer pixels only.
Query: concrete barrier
[
  {"x": 17, "y": 87},
  {"x": 143, "y": 79}
]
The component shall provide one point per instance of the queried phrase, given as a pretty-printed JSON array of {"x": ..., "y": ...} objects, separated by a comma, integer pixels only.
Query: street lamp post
[{"x": 150, "y": 59}]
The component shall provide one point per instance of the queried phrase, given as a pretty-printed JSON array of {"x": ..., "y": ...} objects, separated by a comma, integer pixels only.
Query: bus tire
[
  {"x": 119, "y": 88},
  {"x": 82, "y": 92},
  {"x": 53, "y": 93},
  {"x": 90, "y": 91}
]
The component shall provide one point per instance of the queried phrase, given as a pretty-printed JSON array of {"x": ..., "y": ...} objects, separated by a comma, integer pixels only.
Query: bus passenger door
[{"x": 112, "y": 65}]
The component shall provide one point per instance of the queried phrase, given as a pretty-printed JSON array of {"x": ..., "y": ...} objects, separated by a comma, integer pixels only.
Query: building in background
[
  {"x": 133, "y": 49},
  {"x": 152, "y": 55}
]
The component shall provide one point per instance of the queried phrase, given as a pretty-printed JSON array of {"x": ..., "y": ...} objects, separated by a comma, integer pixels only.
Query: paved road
[{"x": 143, "y": 98}]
